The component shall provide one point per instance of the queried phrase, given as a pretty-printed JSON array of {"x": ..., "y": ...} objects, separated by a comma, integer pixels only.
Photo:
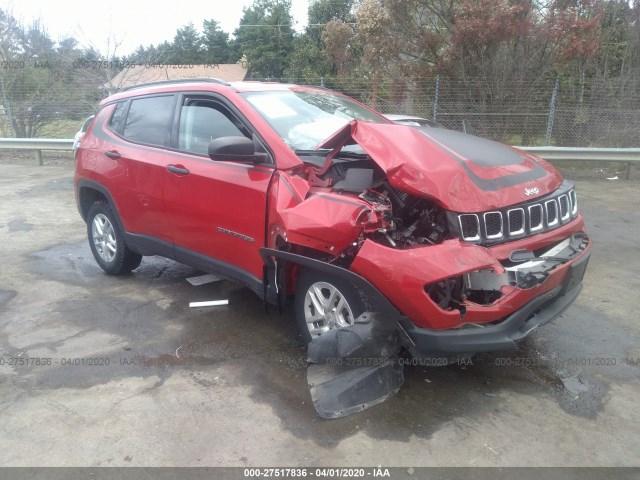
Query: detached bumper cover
[{"x": 504, "y": 335}]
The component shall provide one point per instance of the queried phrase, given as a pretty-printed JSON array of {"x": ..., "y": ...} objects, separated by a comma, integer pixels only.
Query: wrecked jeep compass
[{"x": 387, "y": 237}]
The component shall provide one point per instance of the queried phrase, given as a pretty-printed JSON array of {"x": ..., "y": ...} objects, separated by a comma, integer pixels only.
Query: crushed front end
[
  {"x": 474, "y": 243},
  {"x": 490, "y": 282},
  {"x": 460, "y": 245}
]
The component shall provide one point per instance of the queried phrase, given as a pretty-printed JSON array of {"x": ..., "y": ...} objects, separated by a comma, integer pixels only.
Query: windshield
[{"x": 303, "y": 119}]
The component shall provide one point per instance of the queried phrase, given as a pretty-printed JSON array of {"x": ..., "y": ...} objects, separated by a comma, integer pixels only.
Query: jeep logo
[{"x": 531, "y": 191}]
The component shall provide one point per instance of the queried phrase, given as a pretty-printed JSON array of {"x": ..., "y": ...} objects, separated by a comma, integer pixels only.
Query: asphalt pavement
[{"x": 104, "y": 371}]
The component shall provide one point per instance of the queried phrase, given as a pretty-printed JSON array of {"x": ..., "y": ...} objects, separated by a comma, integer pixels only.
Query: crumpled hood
[{"x": 461, "y": 172}]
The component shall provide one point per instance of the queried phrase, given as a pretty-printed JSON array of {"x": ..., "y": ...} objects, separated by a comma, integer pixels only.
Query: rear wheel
[
  {"x": 107, "y": 241},
  {"x": 324, "y": 303}
]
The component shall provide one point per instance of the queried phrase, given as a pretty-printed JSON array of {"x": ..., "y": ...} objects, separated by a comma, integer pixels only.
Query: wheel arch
[
  {"x": 374, "y": 296},
  {"x": 90, "y": 192}
]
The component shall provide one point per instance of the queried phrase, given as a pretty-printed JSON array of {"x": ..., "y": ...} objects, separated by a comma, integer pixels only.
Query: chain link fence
[
  {"x": 44, "y": 111},
  {"x": 552, "y": 112},
  {"x": 548, "y": 112}
]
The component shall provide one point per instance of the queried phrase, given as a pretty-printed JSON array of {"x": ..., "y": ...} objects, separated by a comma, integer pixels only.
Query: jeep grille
[{"x": 518, "y": 221}]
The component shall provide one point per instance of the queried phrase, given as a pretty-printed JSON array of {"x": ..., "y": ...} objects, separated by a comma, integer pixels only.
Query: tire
[
  {"x": 107, "y": 241},
  {"x": 316, "y": 291}
]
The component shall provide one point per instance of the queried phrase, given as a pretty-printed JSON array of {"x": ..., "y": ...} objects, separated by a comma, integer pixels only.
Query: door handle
[
  {"x": 112, "y": 154},
  {"x": 178, "y": 169}
]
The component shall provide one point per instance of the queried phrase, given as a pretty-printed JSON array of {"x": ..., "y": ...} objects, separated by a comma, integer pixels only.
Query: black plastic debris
[
  {"x": 353, "y": 368},
  {"x": 339, "y": 391},
  {"x": 371, "y": 336}
]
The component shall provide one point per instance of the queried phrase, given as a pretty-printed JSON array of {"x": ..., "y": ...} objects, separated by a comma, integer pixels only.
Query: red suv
[{"x": 461, "y": 243}]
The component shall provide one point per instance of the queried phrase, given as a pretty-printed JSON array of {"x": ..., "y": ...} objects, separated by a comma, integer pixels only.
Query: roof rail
[{"x": 177, "y": 80}]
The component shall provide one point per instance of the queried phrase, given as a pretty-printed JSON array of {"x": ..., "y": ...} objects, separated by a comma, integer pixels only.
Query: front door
[{"x": 216, "y": 210}]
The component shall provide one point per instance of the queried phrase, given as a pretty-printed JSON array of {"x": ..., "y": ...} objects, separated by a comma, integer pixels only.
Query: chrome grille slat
[
  {"x": 574, "y": 202},
  {"x": 535, "y": 217},
  {"x": 551, "y": 209},
  {"x": 493, "y": 225},
  {"x": 469, "y": 227},
  {"x": 529, "y": 218},
  {"x": 563, "y": 203},
  {"x": 516, "y": 221}
]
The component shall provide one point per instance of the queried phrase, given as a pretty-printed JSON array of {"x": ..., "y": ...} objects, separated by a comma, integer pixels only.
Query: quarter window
[
  {"x": 116, "y": 117},
  {"x": 149, "y": 120}
]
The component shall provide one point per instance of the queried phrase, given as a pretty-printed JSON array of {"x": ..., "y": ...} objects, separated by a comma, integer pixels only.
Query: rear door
[
  {"x": 139, "y": 131},
  {"x": 216, "y": 210}
]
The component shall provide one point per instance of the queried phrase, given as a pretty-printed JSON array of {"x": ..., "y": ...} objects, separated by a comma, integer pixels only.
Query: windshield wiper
[
  {"x": 323, "y": 152},
  {"x": 356, "y": 155}
]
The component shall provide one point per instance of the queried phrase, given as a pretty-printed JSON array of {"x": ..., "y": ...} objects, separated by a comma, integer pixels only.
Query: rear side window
[
  {"x": 87, "y": 122},
  {"x": 149, "y": 120},
  {"x": 116, "y": 117}
]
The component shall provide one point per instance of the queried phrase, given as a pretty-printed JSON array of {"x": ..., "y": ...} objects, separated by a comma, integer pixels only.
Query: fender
[{"x": 380, "y": 302}]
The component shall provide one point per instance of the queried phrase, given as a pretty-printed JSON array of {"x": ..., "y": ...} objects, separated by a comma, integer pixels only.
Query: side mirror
[{"x": 235, "y": 149}]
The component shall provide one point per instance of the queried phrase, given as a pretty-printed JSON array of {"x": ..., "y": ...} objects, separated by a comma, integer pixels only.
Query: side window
[
  {"x": 87, "y": 122},
  {"x": 202, "y": 121},
  {"x": 149, "y": 120},
  {"x": 116, "y": 117}
]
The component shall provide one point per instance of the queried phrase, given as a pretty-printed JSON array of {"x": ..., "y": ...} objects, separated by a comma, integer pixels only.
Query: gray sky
[{"x": 130, "y": 23}]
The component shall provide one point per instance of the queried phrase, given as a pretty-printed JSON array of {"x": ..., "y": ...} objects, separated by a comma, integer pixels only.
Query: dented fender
[
  {"x": 324, "y": 222},
  {"x": 315, "y": 218}
]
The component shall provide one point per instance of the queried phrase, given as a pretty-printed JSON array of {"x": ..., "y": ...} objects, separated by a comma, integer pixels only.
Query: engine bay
[{"x": 401, "y": 221}]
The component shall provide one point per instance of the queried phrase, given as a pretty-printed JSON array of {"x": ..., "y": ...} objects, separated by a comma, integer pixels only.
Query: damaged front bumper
[
  {"x": 505, "y": 334},
  {"x": 408, "y": 277},
  {"x": 397, "y": 292},
  {"x": 532, "y": 293},
  {"x": 356, "y": 367}
]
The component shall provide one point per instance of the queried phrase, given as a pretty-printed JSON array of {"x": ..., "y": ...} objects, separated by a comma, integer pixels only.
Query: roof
[
  {"x": 204, "y": 84},
  {"x": 230, "y": 72}
]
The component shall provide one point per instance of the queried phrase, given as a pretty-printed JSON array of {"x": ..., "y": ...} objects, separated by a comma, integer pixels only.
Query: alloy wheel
[{"x": 325, "y": 308}]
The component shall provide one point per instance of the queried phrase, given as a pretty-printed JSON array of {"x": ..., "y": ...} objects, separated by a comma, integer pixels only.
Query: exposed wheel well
[
  {"x": 292, "y": 270},
  {"x": 88, "y": 196}
]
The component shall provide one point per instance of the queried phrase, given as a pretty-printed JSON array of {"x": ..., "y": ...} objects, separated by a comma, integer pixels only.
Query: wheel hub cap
[
  {"x": 325, "y": 308},
  {"x": 104, "y": 237}
]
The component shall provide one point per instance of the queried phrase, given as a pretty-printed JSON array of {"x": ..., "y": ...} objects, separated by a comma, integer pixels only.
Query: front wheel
[
  {"x": 107, "y": 242},
  {"x": 324, "y": 303}
]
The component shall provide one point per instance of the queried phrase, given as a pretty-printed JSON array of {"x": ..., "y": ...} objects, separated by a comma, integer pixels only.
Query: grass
[
  {"x": 516, "y": 139},
  {"x": 61, "y": 129}
]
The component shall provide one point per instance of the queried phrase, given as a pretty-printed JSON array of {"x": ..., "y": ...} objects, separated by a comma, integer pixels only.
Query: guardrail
[
  {"x": 622, "y": 155},
  {"x": 36, "y": 144}
]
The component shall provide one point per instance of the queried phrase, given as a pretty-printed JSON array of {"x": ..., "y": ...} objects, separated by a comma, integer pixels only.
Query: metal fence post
[
  {"x": 435, "y": 100},
  {"x": 552, "y": 111}
]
